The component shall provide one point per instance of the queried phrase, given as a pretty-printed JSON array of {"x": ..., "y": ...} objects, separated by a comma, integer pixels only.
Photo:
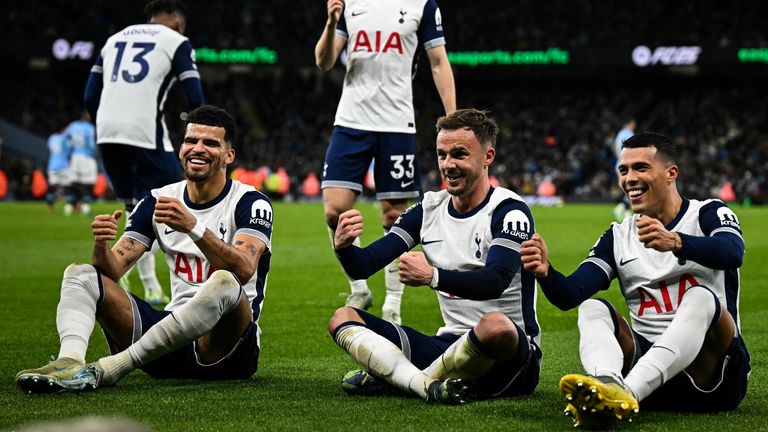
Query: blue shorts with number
[
  {"x": 516, "y": 377},
  {"x": 134, "y": 171},
  {"x": 681, "y": 394},
  {"x": 240, "y": 363},
  {"x": 350, "y": 153}
]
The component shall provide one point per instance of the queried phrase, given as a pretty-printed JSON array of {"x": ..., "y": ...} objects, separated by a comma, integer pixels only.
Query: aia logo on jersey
[
  {"x": 650, "y": 302},
  {"x": 516, "y": 224},
  {"x": 373, "y": 42},
  {"x": 728, "y": 217},
  {"x": 261, "y": 214}
]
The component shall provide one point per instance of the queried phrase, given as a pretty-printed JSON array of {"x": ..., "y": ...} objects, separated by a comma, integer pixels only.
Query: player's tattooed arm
[{"x": 241, "y": 257}]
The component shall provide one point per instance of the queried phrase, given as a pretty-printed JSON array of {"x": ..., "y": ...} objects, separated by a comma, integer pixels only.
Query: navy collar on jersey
[
  {"x": 211, "y": 203},
  {"x": 683, "y": 209},
  {"x": 459, "y": 215}
]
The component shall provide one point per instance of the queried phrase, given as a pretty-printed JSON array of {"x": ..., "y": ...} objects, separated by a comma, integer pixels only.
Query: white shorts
[
  {"x": 84, "y": 169},
  {"x": 59, "y": 178}
]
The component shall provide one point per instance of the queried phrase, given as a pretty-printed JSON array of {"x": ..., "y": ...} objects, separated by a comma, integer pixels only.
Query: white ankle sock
[
  {"x": 384, "y": 359},
  {"x": 220, "y": 294},
  {"x": 76, "y": 312},
  {"x": 392, "y": 284},
  {"x": 463, "y": 359},
  {"x": 599, "y": 349},
  {"x": 677, "y": 347}
]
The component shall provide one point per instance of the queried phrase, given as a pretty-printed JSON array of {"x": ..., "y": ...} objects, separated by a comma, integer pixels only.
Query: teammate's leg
[
  {"x": 696, "y": 340},
  {"x": 376, "y": 353},
  {"x": 85, "y": 297},
  {"x": 335, "y": 202},
  {"x": 494, "y": 338},
  {"x": 606, "y": 347},
  {"x": 216, "y": 317},
  {"x": 390, "y": 311}
]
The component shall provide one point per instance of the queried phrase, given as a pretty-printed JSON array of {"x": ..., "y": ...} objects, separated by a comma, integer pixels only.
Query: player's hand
[
  {"x": 334, "y": 11},
  {"x": 535, "y": 256},
  {"x": 349, "y": 228},
  {"x": 104, "y": 227},
  {"x": 414, "y": 269},
  {"x": 173, "y": 213},
  {"x": 654, "y": 235}
]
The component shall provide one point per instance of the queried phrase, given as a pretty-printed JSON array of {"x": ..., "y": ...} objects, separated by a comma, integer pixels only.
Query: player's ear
[
  {"x": 672, "y": 172},
  {"x": 230, "y": 155},
  {"x": 490, "y": 155}
]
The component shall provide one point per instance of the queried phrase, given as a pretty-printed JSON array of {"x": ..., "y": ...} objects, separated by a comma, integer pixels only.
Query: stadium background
[{"x": 559, "y": 77}]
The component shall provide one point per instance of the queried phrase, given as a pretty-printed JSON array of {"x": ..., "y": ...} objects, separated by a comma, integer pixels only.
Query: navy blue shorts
[
  {"x": 516, "y": 377},
  {"x": 240, "y": 363},
  {"x": 681, "y": 394},
  {"x": 134, "y": 171},
  {"x": 395, "y": 172}
]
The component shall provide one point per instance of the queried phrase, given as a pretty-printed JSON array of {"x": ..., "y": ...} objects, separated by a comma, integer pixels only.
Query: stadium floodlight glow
[
  {"x": 552, "y": 55},
  {"x": 753, "y": 55},
  {"x": 258, "y": 55},
  {"x": 665, "y": 55}
]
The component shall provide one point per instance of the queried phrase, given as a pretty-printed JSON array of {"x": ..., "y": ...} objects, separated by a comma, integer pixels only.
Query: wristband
[
  {"x": 435, "y": 278},
  {"x": 197, "y": 232}
]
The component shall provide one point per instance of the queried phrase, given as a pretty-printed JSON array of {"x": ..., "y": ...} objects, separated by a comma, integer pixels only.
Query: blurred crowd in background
[{"x": 556, "y": 127}]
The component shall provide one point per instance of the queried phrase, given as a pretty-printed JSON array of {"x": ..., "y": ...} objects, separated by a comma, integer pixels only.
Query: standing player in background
[
  {"x": 375, "y": 116},
  {"x": 125, "y": 95},
  {"x": 81, "y": 137},
  {"x": 59, "y": 180},
  {"x": 622, "y": 208},
  {"x": 471, "y": 234},
  {"x": 677, "y": 263}
]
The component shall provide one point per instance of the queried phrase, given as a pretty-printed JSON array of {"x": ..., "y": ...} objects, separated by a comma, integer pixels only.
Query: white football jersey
[
  {"x": 653, "y": 282},
  {"x": 460, "y": 242},
  {"x": 238, "y": 209},
  {"x": 383, "y": 40},
  {"x": 139, "y": 65}
]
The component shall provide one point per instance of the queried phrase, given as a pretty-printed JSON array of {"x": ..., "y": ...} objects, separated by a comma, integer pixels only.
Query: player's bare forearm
[
  {"x": 241, "y": 257},
  {"x": 328, "y": 47},
  {"x": 442, "y": 74},
  {"x": 114, "y": 262}
]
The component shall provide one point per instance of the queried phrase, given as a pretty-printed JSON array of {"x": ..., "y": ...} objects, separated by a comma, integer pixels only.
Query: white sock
[
  {"x": 599, "y": 349},
  {"x": 219, "y": 295},
  {"x": 462, "y": 359},
  {"x": 146, "y": 267},
  {"x": 384, "y": 359},
  {"x": 76, "y": 312},
  {"x": 677, "y": 347},
  {"x": 392, "y": 284},
  {"x": 357, "y": 286}
]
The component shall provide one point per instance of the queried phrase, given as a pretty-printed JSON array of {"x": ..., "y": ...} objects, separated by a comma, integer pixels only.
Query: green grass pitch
[{"x": 297, "y": 385}]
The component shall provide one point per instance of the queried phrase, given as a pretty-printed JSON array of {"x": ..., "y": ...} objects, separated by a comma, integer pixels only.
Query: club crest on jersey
[
  {"x": 478, "y": 253},
  {"x": 402, "y": 16},
  {"x": 516, "y": 224},
  {"x": 728, "y": 217},
  {"x": 393, "y": 42},
  {"x": 261, "y": 213}
]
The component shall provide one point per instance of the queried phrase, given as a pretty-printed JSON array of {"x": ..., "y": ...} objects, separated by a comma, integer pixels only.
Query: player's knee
[
  {"x": 496, "y": 330},
  {"x": 593, "y": 308},
  {"x": 85, "y": 276},
  {"x": 332, "y": 217},
  {"x": 700, "y": 299},
  {"x": 342, "y": 315},
  {"x": 222, "y": 290}
]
